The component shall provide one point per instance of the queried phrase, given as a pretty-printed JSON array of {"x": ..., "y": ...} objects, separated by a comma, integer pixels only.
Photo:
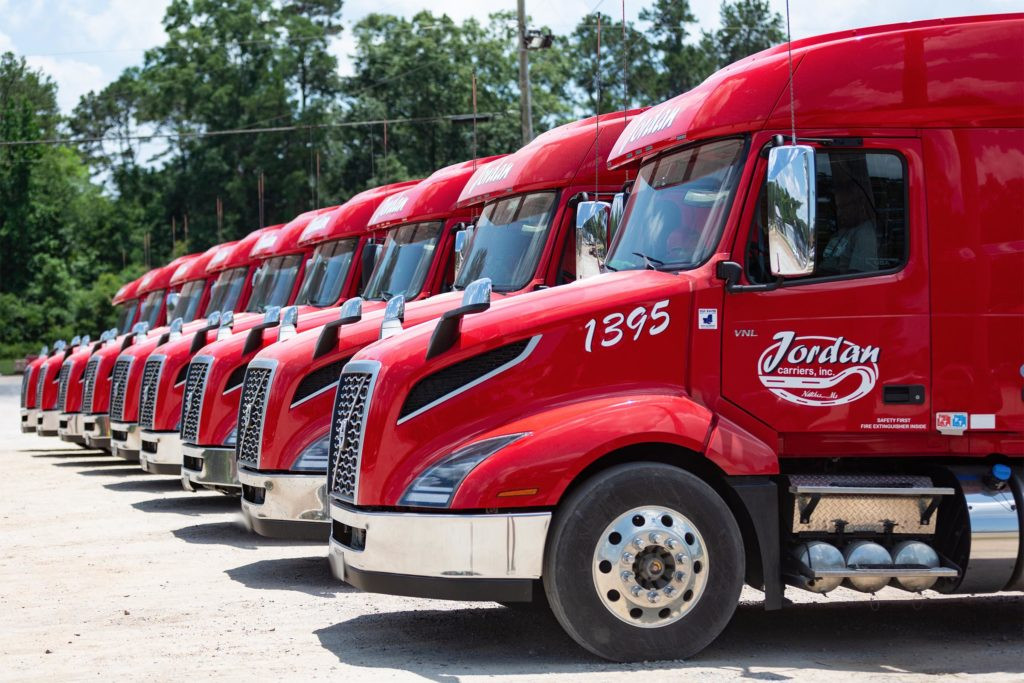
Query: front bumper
[
  {"x": 285, "y": 505},
  {"x": 125, "y": 440},
  {"x": 69, "y": 428},
  {"x": 96, "y": 429},
  {"x": 448, "y": 556},
  {"x": 48, "y": 422},
  {"x": 29, "y": 420},
  {"x": 211, "y": 467},
  {"x": 160, "y": 452}
]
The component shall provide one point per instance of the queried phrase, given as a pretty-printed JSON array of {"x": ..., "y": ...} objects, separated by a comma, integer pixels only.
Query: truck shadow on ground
[
  {"x": 148, "y": 485},
  {"x": 78, "y": 453},
  {"x": 126, "y": 469},
  {"x": 193, "y": 505},
  {"x": 881, "y": 637},
  {"x": 311, "y": 575},
  {"x": 233, "y": 533}
]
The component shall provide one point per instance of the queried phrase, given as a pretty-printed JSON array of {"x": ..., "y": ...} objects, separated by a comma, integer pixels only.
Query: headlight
[
  {"x": 314, "y": 456},
  {"x": 437, "y": 485},
  {"x": 232, "y": 437}
]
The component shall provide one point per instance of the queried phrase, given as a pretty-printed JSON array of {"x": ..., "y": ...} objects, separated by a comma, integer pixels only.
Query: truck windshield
[
  {"x": 508, "y": 241},
  {"x": 408, "y": 253},
  {"x": 676, "y": 210},
  {"x": 125, "y": 315},
  {"x": 226, "y": 290},
  {"x": 326, "y": 273},
  {"x": 151, "y": 307},
  {"x": 273, "y": 286},
  {"x": 188, "y": 300}
]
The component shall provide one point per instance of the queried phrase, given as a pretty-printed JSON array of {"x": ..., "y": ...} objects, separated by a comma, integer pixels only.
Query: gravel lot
[{"x": 107, "y": 571}]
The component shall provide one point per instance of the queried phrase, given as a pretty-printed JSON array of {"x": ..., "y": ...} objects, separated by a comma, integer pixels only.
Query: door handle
[{"x": 909, "y": 394}]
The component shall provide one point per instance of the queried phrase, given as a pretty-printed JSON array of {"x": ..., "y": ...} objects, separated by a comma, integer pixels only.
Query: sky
[{"x": 85, "y": 44}]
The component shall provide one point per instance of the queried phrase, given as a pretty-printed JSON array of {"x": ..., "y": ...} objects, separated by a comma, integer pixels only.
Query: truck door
[{"x": 846, "y": 348}]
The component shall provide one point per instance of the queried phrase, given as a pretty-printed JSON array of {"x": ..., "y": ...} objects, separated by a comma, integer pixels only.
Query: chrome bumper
[
  {"x": 96, "y": 429},
  {"x": 29, "y": 420},
  {"x": 48, "y": 423},
  {"x": 125, "y": 441},
  {"x": 285, "y": 505},
  {"x": 450, "y": 556},
  {"x": 70, "y": 428},
  {"x": 209, "y": 467},
  {"x": 160, "y": 452}
]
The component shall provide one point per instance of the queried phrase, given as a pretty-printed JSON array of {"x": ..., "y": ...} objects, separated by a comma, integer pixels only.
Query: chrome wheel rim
[{"x": 650, "y": 566}]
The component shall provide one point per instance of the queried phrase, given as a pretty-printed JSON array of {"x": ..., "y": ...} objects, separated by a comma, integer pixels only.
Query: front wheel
[{"x": 644, "y": 562}]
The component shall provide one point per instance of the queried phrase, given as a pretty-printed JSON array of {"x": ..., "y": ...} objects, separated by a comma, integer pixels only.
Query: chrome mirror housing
[
  {"x": 227, "y": 321},
  {"x": 172, "y": 301},
  {"x": 618, "y": 209},
  {"x": 463, "y": 238},
  {"x": 59, "y": 345},
  {"x": 140, "y": 329},
  {"x": 272, "y": 314},
  {"x": 213, "y": 320},
  {"x": 791, "y": 196},
  {"x": 85, "y": 340},
  {"x": 394, "y": 314},
  {"x": 45, "y": 351},
  {"x": 176, "y": 326},
  {"x": 289, "y": 318},
  {"x": 592, "y": 219},
  {"x": 351, "y": 311},
  {"x": 75, "y": 341},
  {"x": 477, "y": 293}
]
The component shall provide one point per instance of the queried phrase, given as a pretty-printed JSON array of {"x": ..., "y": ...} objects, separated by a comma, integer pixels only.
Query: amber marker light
[{"x": 517, "y": 492}]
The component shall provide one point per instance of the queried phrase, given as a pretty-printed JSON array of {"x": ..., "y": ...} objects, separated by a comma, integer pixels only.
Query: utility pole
[{"x": 525, "y": 107}]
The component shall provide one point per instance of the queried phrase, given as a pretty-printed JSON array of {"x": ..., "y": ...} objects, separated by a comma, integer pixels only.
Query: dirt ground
[{"x": 109, "y": 572}]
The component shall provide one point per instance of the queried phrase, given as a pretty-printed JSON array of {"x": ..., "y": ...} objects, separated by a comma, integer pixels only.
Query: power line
[{"x": 243, "y": 131}]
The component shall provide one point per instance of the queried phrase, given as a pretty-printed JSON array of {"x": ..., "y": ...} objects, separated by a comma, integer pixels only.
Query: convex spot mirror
[
  {"x": 791, "y": 210},
  {"x": 463, "y": 237},
  {"x": 370, "y": 256},
  {"x": 394, "y": 314},
  {"x": 592, "y": 221},
  {"x": 172, "y": 302},
  {"x": 289, "y": 318}
]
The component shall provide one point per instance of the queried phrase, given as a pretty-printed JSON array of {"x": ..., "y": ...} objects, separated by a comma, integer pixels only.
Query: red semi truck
[
  {"x": 216, "y": 373},
  {"x": 232, "y": 267},
  {"x": 523, "y": 240},
  {"x": 328, "y": 275},
  {"x": 804, "y": 365}
]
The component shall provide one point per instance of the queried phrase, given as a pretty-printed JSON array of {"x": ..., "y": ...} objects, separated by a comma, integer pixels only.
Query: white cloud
[
  {"x": 74, "y": 78},
  {"x": 119, "y": 24},
  {"x": 6, "y": 44}
]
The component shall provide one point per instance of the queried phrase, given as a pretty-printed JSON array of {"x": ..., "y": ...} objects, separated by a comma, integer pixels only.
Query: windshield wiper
[
  {"x": 648, "y": 260},
  {"x": 611, "y": 268}
]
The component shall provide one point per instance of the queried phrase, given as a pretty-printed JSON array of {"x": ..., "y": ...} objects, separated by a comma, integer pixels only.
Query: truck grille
[
  {"x": 40, "y": 385},
  {"x": 119, "y": 387},
  {"x": 350, "y": 406},
  {"x": 89, "y": 383},
  {"x": 26, "y": 379},
  {"x": 62, "y": 386},
  {"x": 148, "y": 392},
  {"x": 252, "y": 408},
  {"x": 192, "y": 400}
]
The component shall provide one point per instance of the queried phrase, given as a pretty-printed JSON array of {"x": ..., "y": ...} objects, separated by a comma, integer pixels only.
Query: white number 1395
[{"x": 611, "y": 326}]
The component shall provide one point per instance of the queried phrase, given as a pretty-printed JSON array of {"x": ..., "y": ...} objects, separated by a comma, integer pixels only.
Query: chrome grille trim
[
  {"x": 89, "y": 383},
  {"x": 62, "y": 385},
  {"x": 40, "y": 385},
  {"x": 149, "y": 390},
  {"x": 252, "y": 410},
  {"x": 351, "y": 403},
  {"x": 119, "y": 386},
  {"x": 192, "y": 398},
  {"x": 26, "y": 380}
]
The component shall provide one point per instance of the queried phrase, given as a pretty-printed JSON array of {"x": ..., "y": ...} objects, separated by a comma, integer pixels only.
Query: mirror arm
[
  {"x": 730, "y": 272},
  {"x": 447, "y": 331},
  {"x": 255, "y": 336}
]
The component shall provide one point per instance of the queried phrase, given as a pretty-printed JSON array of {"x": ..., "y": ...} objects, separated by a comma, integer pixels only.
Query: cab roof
[
  {"x": 194, "y": 269},
  {"x": 948, "y": 73},
  {"x": 160, "y": 278},
  {"x": 433, "y": 197},
  {"x": 351, "y": 218},
  {"x": 285, "y": 240},
  {"x": 128, "y": 291},
  {"x": 553, "y": 159},
  {"x": 239, "y": 254}
]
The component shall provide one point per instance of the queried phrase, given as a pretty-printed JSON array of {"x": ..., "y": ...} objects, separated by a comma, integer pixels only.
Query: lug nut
[
  {"x": 652, "y": 596},
  {"x": 680, "y": 576},
  {"x": 626, "y": 576},
  {"x": 636, "y": 591},
  {"x": 680, "y": 557},
  {"x": 669, "y": 591},
  {"x": 627, "y": 558},
  {"x": 655, "y": 538},
  {"x": 639, "y": 543},
  {"x": 671, "y": 543}
]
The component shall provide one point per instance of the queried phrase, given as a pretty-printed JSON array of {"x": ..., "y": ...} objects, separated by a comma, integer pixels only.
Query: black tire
[{"x": 577, "y": 530}]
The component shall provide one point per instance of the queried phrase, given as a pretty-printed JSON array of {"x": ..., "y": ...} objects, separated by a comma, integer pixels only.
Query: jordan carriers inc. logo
[{"x": 818, "y": 371}]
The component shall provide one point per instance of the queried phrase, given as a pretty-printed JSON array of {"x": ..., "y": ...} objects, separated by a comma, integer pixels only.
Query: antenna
[
  {"x": 792, "y": 97},
  {"x": 597, "y": 119},
  {"x": 625, "y": 68},
  {"x": 474, "y": 118}
]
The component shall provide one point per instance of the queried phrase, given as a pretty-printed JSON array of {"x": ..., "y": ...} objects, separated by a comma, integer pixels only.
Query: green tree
[
  {"x": 682, "y": 64},
  {"x": 625, "y": 62},
  {"x": 748, "y": 26}
]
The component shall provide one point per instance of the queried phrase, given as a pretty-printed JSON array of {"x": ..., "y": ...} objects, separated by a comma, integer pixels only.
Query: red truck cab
[
  {"x": 803, "y": 365},
  {"x": 523, "y": 241},
  {"x": 345, "y": 252}
]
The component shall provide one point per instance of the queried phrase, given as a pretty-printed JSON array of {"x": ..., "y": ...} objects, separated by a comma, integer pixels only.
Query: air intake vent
[
  {"x": 454, "y": 377},
  {"x": 236, "y": 378},
  {"x": 148, "y": 392},
  {"x": 251, "y": 408},
  {"x": 350, "y": 406},
  {"x": 89, "y": 383},
  {"x": 319, "y": 380},
  {"x": 119, "y": 387},
  {"x": 62, "y": 386},
  {"x": 192, "y": 400}
]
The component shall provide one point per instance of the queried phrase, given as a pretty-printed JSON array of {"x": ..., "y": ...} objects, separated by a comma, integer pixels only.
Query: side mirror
[
  {"x": 372, "y": 252},
  {"x": 176, "y": 326},
  {"x": 60, "y": 345},
  {"x": 289, "y": 318},
  {"x": 592, "y": 220},
  {"x": 791, "y": 210},
  {"x": 394, "y": 314},
  {"x": 351, "y": 312},
  {"x": 463, "y": 238},
  {"x": 75, "y": 341},
  {"x": 272, "y": 314},
  {"x": 617, "y": 211},
  {"x": 85, "y": 340},
  {"x": 172, "y": 301},
  {"x": 45, "y": 351},
  {"x": 475, "y": 299},
  {"x": 214, "y": 319},
  {"x": 227, "y": 321},
  {"x": 140, "y": 329}
]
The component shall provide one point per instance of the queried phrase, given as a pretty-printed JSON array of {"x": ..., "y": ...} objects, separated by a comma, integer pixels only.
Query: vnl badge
[{"x": 952, "y": 424}]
